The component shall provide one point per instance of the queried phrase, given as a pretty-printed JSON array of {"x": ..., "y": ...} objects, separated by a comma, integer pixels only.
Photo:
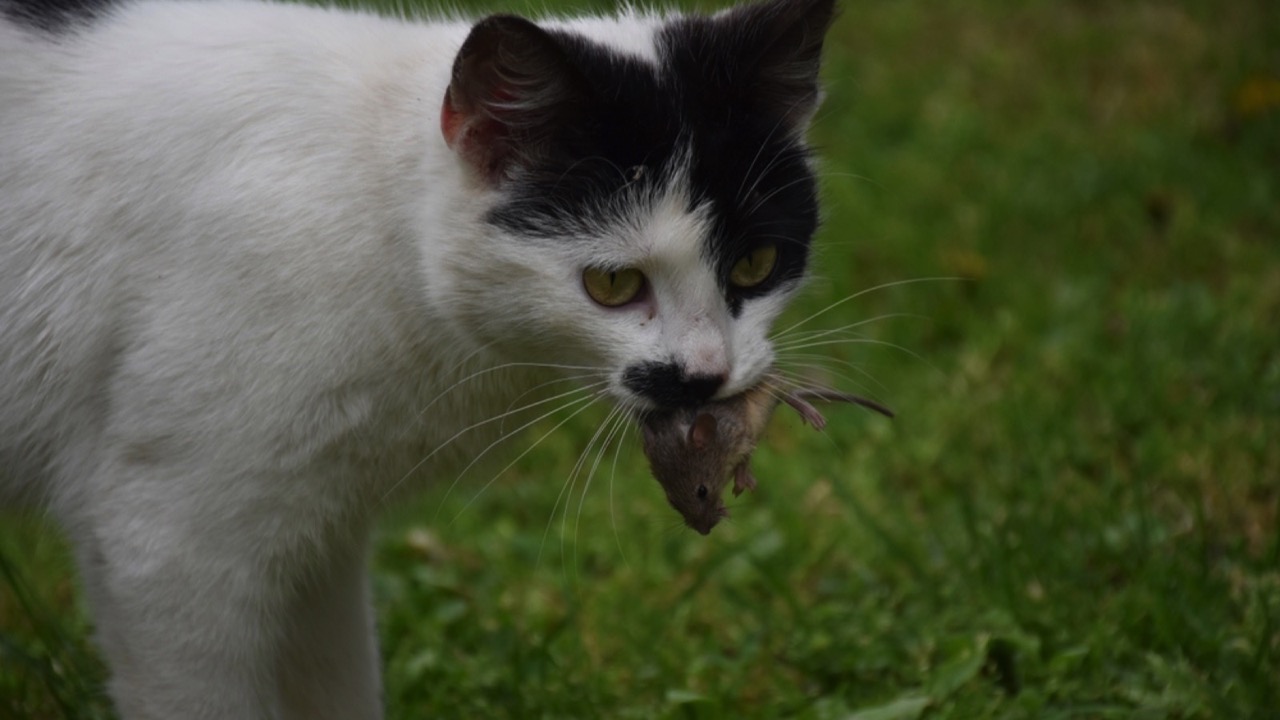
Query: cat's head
[{"x": 650, "y": 198}]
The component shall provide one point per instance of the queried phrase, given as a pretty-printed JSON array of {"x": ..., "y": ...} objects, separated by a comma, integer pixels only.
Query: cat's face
[{"x": 651, "y": 213}]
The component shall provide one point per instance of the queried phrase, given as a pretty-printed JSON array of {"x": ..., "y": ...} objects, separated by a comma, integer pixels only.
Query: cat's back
[
  {"x": 167, "y": 169},
  {"x": 90, "y": 51},
  {"x": 100, "y": 99},
  {"x": 145, "y": 91}
]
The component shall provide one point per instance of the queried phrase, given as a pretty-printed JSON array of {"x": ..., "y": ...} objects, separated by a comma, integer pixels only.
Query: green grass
[{"x": 1075, "y": 513}]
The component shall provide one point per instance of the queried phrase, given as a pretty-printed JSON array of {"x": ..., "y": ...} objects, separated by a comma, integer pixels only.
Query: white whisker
[
  {"x": 759, "y": 150},
  {"x": 796, "y": 360},
  {"x": 495, "y": 368},
  {"x": 481, "y": 423},
  {"x": 590, "y": 401},
  {"x": 866, "y": 341},
  {"x": 613, "y": 472},
  {"x": 616, "y": 420},
  {"x": 572, "y": 481},
  {"x": 849, "y": 298},
  {"x": 759, "y": 203},
  {"x": 783, "y": 340},
  {"x": 539, "y": 386},
  {"x": 567, "y": 487}
]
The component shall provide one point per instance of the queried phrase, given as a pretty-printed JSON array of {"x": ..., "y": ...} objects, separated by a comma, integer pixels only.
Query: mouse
[{"x": 694, "y": 451}]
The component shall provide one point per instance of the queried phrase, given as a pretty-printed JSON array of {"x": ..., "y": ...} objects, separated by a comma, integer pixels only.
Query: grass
[{"x": 1075, "y": 513}]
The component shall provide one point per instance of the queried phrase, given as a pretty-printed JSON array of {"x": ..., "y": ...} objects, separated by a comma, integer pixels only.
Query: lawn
[{"x": 1052, "y": 245}]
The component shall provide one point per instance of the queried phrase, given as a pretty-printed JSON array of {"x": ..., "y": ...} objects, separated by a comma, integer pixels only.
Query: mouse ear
[
  {"x": 703, "y": 431},
  {"x": 513, "y": 90}
]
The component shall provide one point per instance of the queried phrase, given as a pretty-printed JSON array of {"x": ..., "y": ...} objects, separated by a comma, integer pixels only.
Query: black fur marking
[
  {"x": 590, "y": 169},
  {"x": 747, "y": 160},
  {"x": 55, "y": 16},
  {"x": 667, "y": 385},
  {"x": 750, "y": 162}
]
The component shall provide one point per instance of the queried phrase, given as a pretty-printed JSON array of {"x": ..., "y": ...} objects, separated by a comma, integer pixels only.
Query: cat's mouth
[{"x": 671, "y": 385}]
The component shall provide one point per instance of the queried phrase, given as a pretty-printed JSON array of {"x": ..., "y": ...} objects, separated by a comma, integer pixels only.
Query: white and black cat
[{"x": 260, "y": 263}]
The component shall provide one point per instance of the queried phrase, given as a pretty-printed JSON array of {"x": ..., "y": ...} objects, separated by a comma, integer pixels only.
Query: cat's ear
[
  {"x": 511, "y": 91},
  {"x": 786, "y": 42}
]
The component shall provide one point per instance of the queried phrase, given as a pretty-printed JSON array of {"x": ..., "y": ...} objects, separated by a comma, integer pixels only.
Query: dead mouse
[{"x": 692, "y": 451}]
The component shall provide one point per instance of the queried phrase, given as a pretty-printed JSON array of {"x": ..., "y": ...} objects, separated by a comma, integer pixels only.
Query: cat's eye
[
  {"x": 702, "y": 492},
  {"x": 754, "y": 267},
  {"x": 612, "y": 288}
]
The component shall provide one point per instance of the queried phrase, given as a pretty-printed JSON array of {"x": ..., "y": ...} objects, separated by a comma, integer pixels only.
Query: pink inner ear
[
  {"x": 500, "y": 101},
  {"x": 473, "y": 136},
  {"x": 451, "y": 121},
  {"x": 703, "y": 431}
]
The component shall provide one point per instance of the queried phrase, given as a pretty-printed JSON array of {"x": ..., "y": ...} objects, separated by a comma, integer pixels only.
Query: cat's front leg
[
  {"x": 329, "y": 667},
  {"x": 216, "y": 599},
  {"x": 183, "y": 636}
]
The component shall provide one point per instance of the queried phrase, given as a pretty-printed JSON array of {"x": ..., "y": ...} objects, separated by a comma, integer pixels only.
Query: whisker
[
  {"x": 781, "y": 394},
  {"x": 825, "y": 391},
  {"x": 872, "y": 402},
  {"x": 782, "y": 153},
  {"x": 876, "y": 288},
  {"x": 616, "y": 420},
  {"x": 613, "y": 472},
  {"x": 870, "y": 341},
  {"x": 739, "y": 195},
  {"x": 826, "y": 174},
  {"x": 675, "y": 527},
  {"x": 877, "y": 342},
  {"x": 481, "y": 423},
  {"x": 539, "y": 386},
  {"x": 588, "y": 400},
  {"x": 769, "y": 384},
  {"x": 759, "y": 203},
  {"x": 544, "y": 436},
  {"x": 783, "y": 340},
  {"x": 574, "y": 473},
  {"x": 567, "y": 486},
  {"x": 797, "y": 359},
  {"x": 495, "y": 368},
  {"x": 757, "y": 235},
  {"x": 759, "y": 150}
]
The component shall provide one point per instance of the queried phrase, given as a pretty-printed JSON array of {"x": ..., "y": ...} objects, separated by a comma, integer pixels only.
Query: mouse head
[{"x": 689, "y": 462}]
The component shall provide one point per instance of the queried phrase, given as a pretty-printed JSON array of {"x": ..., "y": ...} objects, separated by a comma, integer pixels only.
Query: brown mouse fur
[{"x": 693, "y": 451}]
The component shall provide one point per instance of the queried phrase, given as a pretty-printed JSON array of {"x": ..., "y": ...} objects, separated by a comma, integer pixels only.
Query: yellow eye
[
  {"x": 755, "y": 267},
  {"x": 612, "y": 288}
]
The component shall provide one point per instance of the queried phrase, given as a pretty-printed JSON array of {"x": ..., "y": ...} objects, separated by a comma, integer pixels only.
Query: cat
[{"x": 265, "y": 267}]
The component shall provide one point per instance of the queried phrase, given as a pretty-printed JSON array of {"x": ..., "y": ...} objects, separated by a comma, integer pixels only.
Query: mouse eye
[{"x": 702, "y": 492}]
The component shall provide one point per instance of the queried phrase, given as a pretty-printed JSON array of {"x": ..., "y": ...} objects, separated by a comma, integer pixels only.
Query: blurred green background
[{"x": 1074, "y": 514}]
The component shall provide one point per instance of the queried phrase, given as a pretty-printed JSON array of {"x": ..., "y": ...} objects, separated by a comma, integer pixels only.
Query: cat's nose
[
  {"x": 667, "y": 385},
  {"x": 698, "y": 389}
]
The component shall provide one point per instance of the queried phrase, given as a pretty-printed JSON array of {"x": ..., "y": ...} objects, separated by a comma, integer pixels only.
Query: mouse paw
[
  {"x": 807, "y": 411},
  {"x": 743, "y": 479}
]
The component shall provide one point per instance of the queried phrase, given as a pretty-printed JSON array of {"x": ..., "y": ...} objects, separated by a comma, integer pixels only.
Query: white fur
[
  {"x": 244, "y": 292},
  {"x": 630, "y": 32}
]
